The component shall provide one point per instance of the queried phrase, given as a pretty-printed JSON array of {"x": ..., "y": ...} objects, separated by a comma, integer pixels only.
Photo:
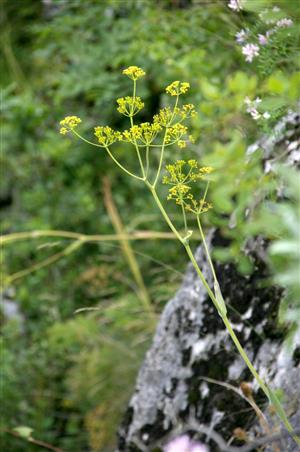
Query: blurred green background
[{"x": 68, "y": 376}]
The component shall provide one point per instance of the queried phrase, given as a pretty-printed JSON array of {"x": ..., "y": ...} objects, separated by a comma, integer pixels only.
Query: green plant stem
[
  {"x": 147, "y": 160},
  {"x": 109, "y": 153},
  {"x": 135, "y": 143},
  {"x": 160, "y": 159},
  {"x": 206, "y": 248},
  {"x": 164, "y": 213},
  {"x": 263, "y": 386},
  {"x": 164, "y": 144},
  {"x": 121, "y": 166},
  {"x": 184, "y": 218}
]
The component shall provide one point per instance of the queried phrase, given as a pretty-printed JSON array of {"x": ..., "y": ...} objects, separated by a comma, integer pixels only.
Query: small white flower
[
  {"x": 276, "y": 9},
  {"x": 263, "y": 40},
  {"x": 282, "y": 23},
  {"x": 235, "y": 5},
  {"x": 250, "y": 51},
  {"x": 241, "y": 36},
  {"x": 254, "y": 113},
  {"x": 252, "y": 109}
]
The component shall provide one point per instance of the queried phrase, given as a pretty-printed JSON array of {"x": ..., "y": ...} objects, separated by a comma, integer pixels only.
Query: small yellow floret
[
  {"x": 176, "y": 88},
  {"x": 107, "y": 136},
  {"x": 69, "y": 123},
  {"x": 129, "y": 106},
  {"x": 134, "y": 72}
]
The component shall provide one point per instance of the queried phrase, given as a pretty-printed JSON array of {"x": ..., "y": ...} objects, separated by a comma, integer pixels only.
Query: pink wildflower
[
  {"x": 263, "y": 40},
  {"x": 250, "y": 51},
  {"x": 241, "y": 36},
  {"x": 185, "y": 444},
  {"x": 282, "y": 23}
]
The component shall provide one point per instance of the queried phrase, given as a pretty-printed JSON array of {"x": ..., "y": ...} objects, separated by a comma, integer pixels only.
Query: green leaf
[
  {"x": 219, "y": 297},
  {"x": 23, "y": 431}
]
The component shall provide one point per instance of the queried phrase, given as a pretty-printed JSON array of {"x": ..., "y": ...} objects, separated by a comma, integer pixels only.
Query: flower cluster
[
  {"x": 235, "y": 5},
  {"x": 129, "y": 106},
  {"x": 69, "y": 123},
  {"x": 250, "y": 51},
  {"x": 242, "y": 35},
  {"x": 176, "y": 88},
  {"x": 186, "y": 111},
  {"x": 284, "y": 23},
  {"x": 270, "y": 17},
  {"x": 145, "y": 133},
  {"x": 181, "y": 174},
  {"x": 134, "y": 72},
  {"x": 164, "y": 117},
  {"x": 175, "y": 133},
  {"x": 253, "y": 111},
  {"x": 198, "y": 206},
  {"x": 107, "y": 136}
]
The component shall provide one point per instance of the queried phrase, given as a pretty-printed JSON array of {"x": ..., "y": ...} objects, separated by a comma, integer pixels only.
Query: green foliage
[{"x": 283, "y": 226}]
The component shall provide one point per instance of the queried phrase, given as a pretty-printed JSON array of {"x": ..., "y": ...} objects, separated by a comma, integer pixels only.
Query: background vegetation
[{"x": 68, "y": 376}]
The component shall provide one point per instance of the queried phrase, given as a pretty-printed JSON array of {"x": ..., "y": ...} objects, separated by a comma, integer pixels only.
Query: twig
[
  {"x": 125, "y": 245},
  {"x": 138, "y": 235},
  {"x": 34, "y": 441},
  {"x": 45, "y": 263}
]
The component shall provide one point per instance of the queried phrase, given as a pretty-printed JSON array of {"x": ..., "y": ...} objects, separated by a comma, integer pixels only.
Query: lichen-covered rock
[{"x": 191, "y": 347}]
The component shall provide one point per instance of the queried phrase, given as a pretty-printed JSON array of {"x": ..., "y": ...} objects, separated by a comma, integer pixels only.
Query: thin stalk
[
  {"x": 121, "y": 166},
  {"x": 259, "y": 380},
  {"x": 206, "y": 248},
  {"x": 109, "y": 153},
  {"x": 135, "y": 143},
  {"x": 147, "y": 160},
  {"x": 184, "y": 218},
  {"x": 200, "y": 274},
  {"x": 164, "y": 144},
  {"x": 164, "y": 213},
  {"x": 160, "y": 159}
]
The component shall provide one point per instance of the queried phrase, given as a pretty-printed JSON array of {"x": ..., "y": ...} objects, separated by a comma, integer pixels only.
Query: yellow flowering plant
[{"x": 182, "y": 177}]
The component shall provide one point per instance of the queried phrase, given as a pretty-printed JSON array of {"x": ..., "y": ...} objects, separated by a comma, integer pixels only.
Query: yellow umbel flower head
[
  {"x": 69, "y": 123},
  {"x": 197, "y": 206},
  {"x": 134, "y": 72},
  {"x": 176, "y": 88},
  {"x": 107, "y": 136},
  {"x": 176, "y": 133},
  {"x": 129, "y": 106},
  {"x": 145, "y": 133},
  {"x": 163, "y": 117},
  {"x": 180, "y": 176},
  {"x": 187, "y": 111}
]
